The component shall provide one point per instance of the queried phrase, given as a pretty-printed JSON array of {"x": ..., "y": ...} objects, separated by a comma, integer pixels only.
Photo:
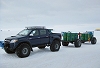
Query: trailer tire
[
  {"x": 23, "y": 50},
  {"x": 55, "y": 46},
  {"x": 93, "y": 40},
  {"x": 77, "y": 43}
]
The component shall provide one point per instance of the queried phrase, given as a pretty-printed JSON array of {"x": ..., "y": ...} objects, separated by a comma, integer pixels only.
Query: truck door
[
  {"x": 34, "y": 38},
  {"x": 44, "y": 36}
]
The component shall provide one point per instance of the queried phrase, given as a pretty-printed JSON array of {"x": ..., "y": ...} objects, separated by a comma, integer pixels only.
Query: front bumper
[{"x": 9, "y": 45}]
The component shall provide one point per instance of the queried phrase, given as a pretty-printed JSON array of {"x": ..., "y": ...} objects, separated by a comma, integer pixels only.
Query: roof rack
[{"x": 36, "y": 27}]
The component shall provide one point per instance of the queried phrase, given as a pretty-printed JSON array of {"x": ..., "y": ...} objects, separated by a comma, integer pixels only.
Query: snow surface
[{"x": 87, "y": 56}]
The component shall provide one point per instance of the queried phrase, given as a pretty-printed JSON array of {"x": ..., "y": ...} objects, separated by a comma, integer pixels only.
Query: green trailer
[
  {"x": 88, "y": 36},
  {"x": 68, "y": 37}
]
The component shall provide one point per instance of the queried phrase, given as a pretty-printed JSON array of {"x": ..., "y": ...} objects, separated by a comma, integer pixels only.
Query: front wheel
[
  {"x": 7, "y": 50},
  {"x": 55, "y": 45},
  {"x": 23, "y": 50}
]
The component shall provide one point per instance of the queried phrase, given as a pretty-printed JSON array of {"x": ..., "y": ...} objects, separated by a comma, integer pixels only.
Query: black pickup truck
[{"x": 40, "y": 37}]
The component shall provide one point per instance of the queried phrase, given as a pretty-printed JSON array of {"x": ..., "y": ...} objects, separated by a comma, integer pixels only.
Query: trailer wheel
[
  {"x": 41, "y": 47},
  {"x": 55, "y": 46},
  {"x": 23, "y": 50},
  {"x": 93, "y": 40},
  {"x": 65, "y": 43},
  {"x": 77, "y": 43}
]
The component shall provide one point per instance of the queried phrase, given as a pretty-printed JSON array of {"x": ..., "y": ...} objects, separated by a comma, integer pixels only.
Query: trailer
[
  {"x": 69, "y": 37},
  {"x": 88, "y": 36}
]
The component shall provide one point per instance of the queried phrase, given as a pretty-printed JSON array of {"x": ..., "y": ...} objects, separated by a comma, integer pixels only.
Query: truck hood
[{"x": 14, "y": 37}]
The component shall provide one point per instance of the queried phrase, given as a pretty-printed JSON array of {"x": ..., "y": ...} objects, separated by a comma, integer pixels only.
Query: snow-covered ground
[{"x": 87, "y": 56}]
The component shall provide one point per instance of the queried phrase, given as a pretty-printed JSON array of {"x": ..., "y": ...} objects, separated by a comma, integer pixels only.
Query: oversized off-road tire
[
  {"x": 65, "y": 43},
  {"x": 23, "y": 50},
  {"x": 55, "y": 46},
  {"x": 77, "y": 43},
  {"x": 93, "y": 40},
  {"x": 7, "y": 50},
  {"x": 41, "y": 47}
]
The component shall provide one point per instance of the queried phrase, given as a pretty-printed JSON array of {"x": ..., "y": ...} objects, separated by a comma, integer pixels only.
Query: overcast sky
[{"x": 51, "y": 13}]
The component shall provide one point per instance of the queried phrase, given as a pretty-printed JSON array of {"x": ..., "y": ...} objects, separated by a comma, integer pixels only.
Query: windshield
[{"x": 24, "y": 32}]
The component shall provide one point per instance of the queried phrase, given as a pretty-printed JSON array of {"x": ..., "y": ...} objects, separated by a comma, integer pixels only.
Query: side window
[
  {"x": 42, "y": 32},
  {"x": 34, "y": 33}
]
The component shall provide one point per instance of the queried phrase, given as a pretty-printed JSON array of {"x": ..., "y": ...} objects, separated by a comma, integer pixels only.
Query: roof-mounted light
[{"x": 36, "y": 27}]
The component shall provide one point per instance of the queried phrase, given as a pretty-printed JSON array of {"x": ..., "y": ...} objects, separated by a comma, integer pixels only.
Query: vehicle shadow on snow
[
  {"x": 69, "y": 46},
  {"x": 9, "y": 56},
  {"x": 87, "y": 43},
  {"x": 38, "y": 51},
  {"x": 35, "y": 52}
]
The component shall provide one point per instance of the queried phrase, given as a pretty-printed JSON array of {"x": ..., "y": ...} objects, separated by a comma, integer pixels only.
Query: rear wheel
[
  {"x": 93, "y": 40},
  {"x": 77, "y": 43},
  {"x": 65, "y": 43},
  {"x": 23, "y": 50},
  {"x": 55, "y": 45}
]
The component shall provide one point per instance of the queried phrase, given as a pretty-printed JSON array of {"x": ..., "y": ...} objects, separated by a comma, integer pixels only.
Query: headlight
[
  {"x": 6, "y": 40},
  {"x": 13, "y": 41}
]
